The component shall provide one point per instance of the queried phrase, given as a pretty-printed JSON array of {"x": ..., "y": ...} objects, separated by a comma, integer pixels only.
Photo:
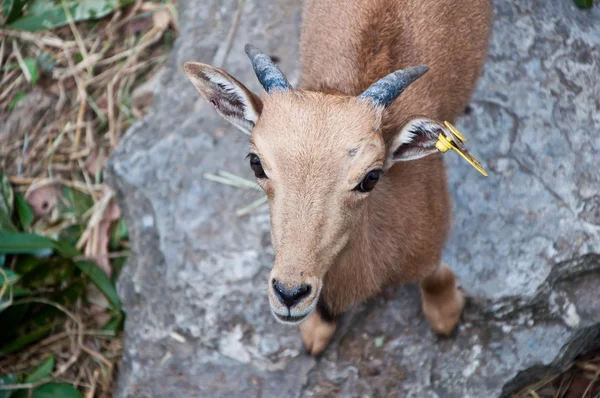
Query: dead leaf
[
  {"x": 581, "y": 385},
  {"x": 95, "y": 162},
  {"x": 149, "y": 6},
  {"x": 25, "y": 115},
  {"x": 97, "y": 244},
  {"x": 138, "y": 25},
  {"x": 162, "y": 19},
  {"x": 43, "y": 197},
  {"x": 98, "y": 305},
  {"x": 97, "y": 250}
]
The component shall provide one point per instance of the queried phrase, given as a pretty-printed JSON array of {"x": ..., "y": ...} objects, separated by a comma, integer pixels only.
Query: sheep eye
[
  {"x": 256, "y": 166},
  {"x": 369, "y": 182}
]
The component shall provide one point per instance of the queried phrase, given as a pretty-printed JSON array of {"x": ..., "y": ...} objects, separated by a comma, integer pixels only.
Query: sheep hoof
[
  {"x": 443, "y": 301},
  {"x": 316, "y": 333}
]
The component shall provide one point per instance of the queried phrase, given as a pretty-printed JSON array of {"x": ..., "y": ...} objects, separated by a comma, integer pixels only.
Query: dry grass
[
  {"x": 93, "y": 74},
  {"x": 59, "y": 131},
  {"x": 75, "y": 116},
  {"x": 85, "y": 358},
  {"x": 580, "y": 380}
]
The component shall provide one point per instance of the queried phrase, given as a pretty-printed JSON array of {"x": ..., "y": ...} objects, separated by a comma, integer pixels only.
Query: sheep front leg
[
  {"x": 443, "y": 302},
  {"x": 317, "y": 333}
]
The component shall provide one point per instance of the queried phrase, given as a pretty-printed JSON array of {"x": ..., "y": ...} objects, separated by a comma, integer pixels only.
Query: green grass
[
  {"x": 44, "y": 284},
  {"x": 60, "y": 315}
]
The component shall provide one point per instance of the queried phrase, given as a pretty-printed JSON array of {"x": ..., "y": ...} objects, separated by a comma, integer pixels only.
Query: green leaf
[
  {"x": 5, "y": 380},
  {"x": 10, "y": 66},
  {"x": 7, "y": 5},
  {"x": 33, "y": 69},
  {"x": 11, "y": 9},
  {"x": 71, "y": 234},
  {"x": 65, "y": 250},
  {"x": 16, "y": 99},
  {"x": 26, "y": 339},
  {"x": 46, "y": 62},
  {"x": 80, "y": 11},
  {"x": 20, "y": 394},
  {"x": 118, "y": 234},
  {"x": 25, "y": 264},
  {"x": 379, "y": 341},
  {"x": 42, "y": 315},
  {"x": 12, "y": 315},
  {"x": 56, "y": 390},
  {"x": 43, "y": 370},
  {"x": 6, "y": 224},
  {"x": 81, "y": 202},
  {"x": 23, "y": 211},
  {"x": 115, "y": 324},
  {"x": 583, "y": 3},
  {"x": 100, "y": 279},
  {"x": 6, "y": 204},
  {"x": 17, "y": 292},
  {"x": 8, "y": 196},
  {"x": 73, "y": 292},
  {"x": 23, "y": 243},
  {"x": 20, "y": 292},
  {"x": 2, "y": 260},
  {"x": 12, "y": 277},
  {"x": 66, "y": 207},
  {"x": 39, "y": 6},
  {"x": 51, "y": 272},
  {"x": 117, "y": 265}
]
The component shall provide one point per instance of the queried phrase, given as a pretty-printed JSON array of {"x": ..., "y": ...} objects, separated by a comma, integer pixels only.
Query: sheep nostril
[{"x": 290, "y": 296}]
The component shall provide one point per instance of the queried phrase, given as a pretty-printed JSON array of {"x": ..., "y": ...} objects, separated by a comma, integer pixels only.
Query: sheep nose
[{"x": 291, "y": 296}]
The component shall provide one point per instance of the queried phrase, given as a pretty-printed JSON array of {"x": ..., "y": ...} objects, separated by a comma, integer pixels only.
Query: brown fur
[
  {"x": 405, "y": 223},
  {"x": 316, "y": 145},
  {"x": 316, "y": 333}
]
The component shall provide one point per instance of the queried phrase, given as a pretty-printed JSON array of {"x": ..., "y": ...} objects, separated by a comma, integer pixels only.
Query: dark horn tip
[
  {"x": 417, "y": 71},
  {"x": 250, "y": 49},
  {"x": 422, "y": 68}
]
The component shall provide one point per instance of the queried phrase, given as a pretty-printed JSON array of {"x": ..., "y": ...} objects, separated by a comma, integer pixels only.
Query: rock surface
[{"x": 526, "y": 240}]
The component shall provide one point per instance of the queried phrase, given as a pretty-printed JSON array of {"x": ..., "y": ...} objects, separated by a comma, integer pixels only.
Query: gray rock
[{"x": 525, "y": 242}]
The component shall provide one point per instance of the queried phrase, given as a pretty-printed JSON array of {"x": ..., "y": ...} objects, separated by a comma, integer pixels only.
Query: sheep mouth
[{"x": 290, "y": 319}]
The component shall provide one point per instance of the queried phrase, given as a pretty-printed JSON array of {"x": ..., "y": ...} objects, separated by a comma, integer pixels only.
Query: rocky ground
[{"x": 526, "y": 240}]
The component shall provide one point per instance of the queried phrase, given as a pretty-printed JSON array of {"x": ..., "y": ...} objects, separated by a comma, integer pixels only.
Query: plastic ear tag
[{"x": 454, "y": 140}]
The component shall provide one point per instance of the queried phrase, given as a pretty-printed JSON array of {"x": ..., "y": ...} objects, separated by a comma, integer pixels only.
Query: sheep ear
[
  {"x": 415, "y": 140},
  {"x": 231, "y": 99}
]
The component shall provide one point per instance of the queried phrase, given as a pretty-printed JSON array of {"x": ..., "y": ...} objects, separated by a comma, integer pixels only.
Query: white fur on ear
[
  {"x": 231, "y": 99},
  {"x": 250, "y": 112},
  {"x": 415, "y": 140}
]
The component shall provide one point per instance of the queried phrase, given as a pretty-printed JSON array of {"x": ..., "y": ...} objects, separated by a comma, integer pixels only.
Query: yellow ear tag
[{"x": 454, "y": 140}]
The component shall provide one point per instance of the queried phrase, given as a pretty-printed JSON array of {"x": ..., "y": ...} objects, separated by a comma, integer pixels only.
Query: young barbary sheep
[{"x": 356, "y": 187}]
